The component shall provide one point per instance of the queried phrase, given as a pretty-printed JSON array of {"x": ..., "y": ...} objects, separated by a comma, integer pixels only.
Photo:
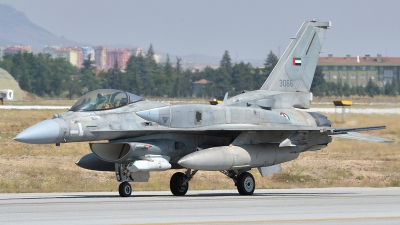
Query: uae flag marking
[{"x": 296, "y": 61}]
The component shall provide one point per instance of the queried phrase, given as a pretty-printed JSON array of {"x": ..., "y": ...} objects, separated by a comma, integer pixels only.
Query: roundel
[{"x": 285, "y": 115}]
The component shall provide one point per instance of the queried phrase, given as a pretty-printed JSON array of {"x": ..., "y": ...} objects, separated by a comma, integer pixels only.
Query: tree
[
  {"x": 360, "y": 91},
  {"x": 222, "y": 79},
  {"x": 169, "y": 77},
  {"x": 398, "y": 87},
  {"x": 226, "y": 63},
  {"x": 346, "y": 89},
  {"x": 241, "y": 74},
  {"x": 339, "y": 88},
  {"x": 87, "y": 77},
  {"x": 372, "y": 89},
  {"x": 132, "y": 75},
  {"x": 6, "y": 63},
  {"x": 115, "y": 78},
  {"x": 61, "y": 71},
  {"x": 258, "y": 78},
  {"x": 25, "y": 81},
  {"x": 19, "y": 70},
  {"x": 318, "y": 85},
  {"x": 42, "y": 75},
  {"x": 168, "y": 70},
  {"x": 177, "y": 86},
  {"x": 269, "y": 64},
  {"x": 139, "y": 75},
  {"x": 150, "y": 53},
  {"x": 73, "y": 87},
  {"x": 178, "y": 66},
  {"x": 88, "y": 65},
  {"x": 390, "y": 88},
  {"x": 394, "y": 88},
  {"x": 353, "y": 90}
]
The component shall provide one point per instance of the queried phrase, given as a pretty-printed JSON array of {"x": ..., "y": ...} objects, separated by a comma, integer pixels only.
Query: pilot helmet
[{"x": 100, "y": 98}]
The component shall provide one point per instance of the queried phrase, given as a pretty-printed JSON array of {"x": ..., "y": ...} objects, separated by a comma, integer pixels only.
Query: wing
[
  {"x": 246, "y": 127},
  {"x": 235, "y": 129},
  {"x": 350, "y": 133}
]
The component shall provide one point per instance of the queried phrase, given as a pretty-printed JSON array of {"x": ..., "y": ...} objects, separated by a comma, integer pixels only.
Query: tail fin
[{"x": 295, "y": 70}]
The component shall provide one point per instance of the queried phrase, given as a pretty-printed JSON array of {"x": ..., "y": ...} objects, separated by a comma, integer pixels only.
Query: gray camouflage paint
[{"x": 261, "y": 128}]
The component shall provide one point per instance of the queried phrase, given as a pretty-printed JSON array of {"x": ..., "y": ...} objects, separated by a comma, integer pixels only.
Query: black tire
[
  {"x": 245, "y": 183},
  {"x": 125, "y": 189},
  {"x": 176, "y": 186}
]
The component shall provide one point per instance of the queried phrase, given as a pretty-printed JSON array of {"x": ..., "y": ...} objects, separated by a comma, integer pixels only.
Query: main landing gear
[
  {"x": 179, "y": 183},
  {"x": 125, "y": 189},
  {"x": 244, "y": 181}
]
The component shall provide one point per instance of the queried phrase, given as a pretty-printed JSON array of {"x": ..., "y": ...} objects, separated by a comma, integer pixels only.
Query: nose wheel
[
  {"x": 179, "y": 183},
  {"x": 125, "y": 189}
]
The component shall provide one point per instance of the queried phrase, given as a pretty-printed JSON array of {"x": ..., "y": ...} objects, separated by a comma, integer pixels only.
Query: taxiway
[{"x": 277, "y": 206}]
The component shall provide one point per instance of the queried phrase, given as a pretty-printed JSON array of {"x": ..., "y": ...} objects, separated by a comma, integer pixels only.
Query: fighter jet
[{"x": 261, "y": 129}]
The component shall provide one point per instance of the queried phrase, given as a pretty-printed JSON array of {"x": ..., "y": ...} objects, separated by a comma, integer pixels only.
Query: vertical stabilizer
[{"x": 295, "y": 70}]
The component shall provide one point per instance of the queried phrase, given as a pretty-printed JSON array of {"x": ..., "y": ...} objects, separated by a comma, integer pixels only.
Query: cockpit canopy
[{"x": 103, "y": 99}]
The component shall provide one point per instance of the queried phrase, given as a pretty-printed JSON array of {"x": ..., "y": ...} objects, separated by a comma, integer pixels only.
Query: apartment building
[
  {"x": 17, "y": 48},
  {"x": 100, "y": 57},
  {"x": 72, "y": 54},
  {"x": 105, "y": 58},
  {"x": 357, "y": 70},
  {"x": 88, "y": 51},
  {"x": 120, "y": 56}
]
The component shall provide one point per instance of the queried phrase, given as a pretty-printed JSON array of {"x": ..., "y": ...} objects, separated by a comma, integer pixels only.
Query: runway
[{"x": 266, "y": 206}]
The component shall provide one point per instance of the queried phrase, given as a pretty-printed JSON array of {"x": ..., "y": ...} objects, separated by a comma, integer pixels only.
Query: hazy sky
[{"x": 247, "y": 29}]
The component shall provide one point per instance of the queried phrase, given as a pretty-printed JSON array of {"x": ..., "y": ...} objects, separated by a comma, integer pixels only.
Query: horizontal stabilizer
[
  {"x": 362, "y": 137},
  {"x": 354, "y": 129}
]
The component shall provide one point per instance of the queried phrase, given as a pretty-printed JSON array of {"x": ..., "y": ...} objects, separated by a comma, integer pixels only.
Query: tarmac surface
[{"x": 266, "y": 206}]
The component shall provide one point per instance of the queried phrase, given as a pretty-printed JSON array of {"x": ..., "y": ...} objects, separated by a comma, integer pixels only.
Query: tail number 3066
[{"x": 285, "y": 83}]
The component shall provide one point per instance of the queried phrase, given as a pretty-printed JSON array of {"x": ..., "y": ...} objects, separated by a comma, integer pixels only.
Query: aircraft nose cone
[{"x": 45, "y": 132}]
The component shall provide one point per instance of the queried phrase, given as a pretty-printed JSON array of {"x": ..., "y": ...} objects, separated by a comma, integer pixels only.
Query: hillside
[
  {"x": 16, "y": 28},
  {"x": 8, "y": 82}
]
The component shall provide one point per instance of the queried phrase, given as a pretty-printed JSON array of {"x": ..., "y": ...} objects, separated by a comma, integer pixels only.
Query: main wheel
[
  {"x": 125, "y": 189},
  {"x": 176, "y": 184},
  {"x": 245, "y": 183}
]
